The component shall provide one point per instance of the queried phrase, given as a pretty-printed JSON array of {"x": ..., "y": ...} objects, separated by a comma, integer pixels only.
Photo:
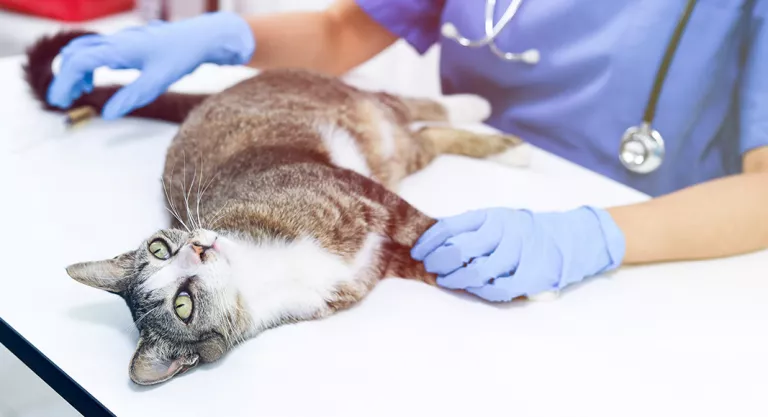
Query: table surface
[{"x": 671, "y": 339}]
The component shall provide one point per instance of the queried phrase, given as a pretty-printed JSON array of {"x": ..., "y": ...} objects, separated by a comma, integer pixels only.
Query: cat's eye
[
  {"x": 159, "y": 249},
  {"x": 183, "y": 306}
]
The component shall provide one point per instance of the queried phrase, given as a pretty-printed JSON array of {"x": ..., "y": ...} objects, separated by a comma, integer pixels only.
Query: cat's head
[{"x": 180, "y": 289}]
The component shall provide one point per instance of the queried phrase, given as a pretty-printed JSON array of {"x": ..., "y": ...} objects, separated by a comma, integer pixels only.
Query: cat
[{"x": 283, "y": 208}]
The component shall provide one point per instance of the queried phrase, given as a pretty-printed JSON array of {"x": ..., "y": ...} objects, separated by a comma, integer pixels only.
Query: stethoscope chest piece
[{"x": 642, "y": 149}]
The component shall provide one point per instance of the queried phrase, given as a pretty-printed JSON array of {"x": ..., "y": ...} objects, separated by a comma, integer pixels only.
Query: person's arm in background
[
  {"x": 345, "y": 35},
  {"x": 332, "y": 41},
  {"x": 502, "y": 253},
  {"x": 722, "y": 217}
]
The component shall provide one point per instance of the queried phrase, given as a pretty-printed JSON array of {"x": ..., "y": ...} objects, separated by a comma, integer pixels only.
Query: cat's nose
[{"x": 199, "y": 248}]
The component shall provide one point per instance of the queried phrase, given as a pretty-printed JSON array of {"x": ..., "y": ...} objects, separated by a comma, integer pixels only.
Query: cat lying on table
[{"x": 281, "y": 190}]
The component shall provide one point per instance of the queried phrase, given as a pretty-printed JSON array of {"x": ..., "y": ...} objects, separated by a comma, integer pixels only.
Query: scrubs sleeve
[
  {"x": 415, "y": 21},
  {"x": 754, "y": 84}
]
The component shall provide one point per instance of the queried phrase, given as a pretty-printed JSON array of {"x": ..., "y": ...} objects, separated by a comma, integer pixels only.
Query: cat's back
[
  {"x": 273, "y": 93},
  {"x": 282, "y": 107},
  {"x": 267, "y": 130}
]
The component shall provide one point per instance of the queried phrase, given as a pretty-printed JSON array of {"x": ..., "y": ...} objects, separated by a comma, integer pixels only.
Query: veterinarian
[{"x": 579, "y": 79}]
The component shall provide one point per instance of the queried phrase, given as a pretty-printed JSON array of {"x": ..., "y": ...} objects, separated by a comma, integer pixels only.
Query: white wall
[{"x": 256, "y": 6}]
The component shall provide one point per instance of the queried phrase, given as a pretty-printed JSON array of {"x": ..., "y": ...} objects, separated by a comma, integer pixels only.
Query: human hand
[
  {"x": 164, "y": 52},
  {"x": 500, "y": 253}
]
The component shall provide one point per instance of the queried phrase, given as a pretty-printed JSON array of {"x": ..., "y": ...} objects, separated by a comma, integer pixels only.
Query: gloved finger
[
  {"x": 503, "y": 260},
  {"x": 465, "y": 277},
  {"x": 460, "y": 249},
  {"x": 79, "y": 43},
  {"x": 444, "y": 229},
  {"x": 83, "y": 86},
  {"x": 77, "y": 90},
  {"x": 511, "y": 287},
  {"x": 498, "y": 291},
  {"x": 73, "y": 70},
  {"x": 139, "y": 93},
  {"x": 533, "y": 275},
  {"x": 88, "y": 81}
]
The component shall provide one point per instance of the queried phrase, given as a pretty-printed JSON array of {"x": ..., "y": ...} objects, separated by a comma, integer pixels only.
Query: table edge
[{"x": 52, "y": 375}]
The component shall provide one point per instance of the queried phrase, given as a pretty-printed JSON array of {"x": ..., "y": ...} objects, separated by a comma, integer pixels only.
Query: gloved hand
[
  {"x": 164, "y": 52},
  {"x": 499, "y": 254}
]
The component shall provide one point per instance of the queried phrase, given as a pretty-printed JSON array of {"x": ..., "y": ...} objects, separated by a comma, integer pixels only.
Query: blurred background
[
  {"x": 22, "y": 393},
  {"x": 23, "y": 21}
]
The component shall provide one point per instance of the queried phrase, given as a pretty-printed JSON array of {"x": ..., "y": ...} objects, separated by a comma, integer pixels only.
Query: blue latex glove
[
  {"x": 499, "y": 254},
  {"x": 164, "y": 52}
]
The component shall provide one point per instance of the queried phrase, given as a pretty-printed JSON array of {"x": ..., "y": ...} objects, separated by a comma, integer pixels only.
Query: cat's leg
[
  {"x": 392, "y": 148},
  {"x": 431, "y": 141},
  {"x": 462, "y": 108},
  {"x": 420, "y": 132},
  {"x": 413, "y": 109},
  {"x": 425, "y": 110}
]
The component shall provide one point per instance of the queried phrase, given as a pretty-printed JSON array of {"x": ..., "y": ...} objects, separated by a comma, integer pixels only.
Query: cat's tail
[{"x": 38, "y": 71}]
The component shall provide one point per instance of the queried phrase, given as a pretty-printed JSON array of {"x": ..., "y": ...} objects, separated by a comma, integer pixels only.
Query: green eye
[
  {"x": 183, "y": 306},
  {"x": 159, "y": 249}
]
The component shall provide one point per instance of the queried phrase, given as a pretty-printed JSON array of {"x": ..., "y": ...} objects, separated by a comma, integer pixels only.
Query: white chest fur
[{"x": 295, "y": 279}]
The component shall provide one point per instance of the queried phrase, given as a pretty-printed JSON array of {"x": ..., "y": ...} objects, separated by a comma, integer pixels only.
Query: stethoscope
[
  {"x": 530, "y": 56},
  {"x": 642, "y": 147}
]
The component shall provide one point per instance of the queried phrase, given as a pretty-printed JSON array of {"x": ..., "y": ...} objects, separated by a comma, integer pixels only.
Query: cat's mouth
[{"x": 205, "y": 252}]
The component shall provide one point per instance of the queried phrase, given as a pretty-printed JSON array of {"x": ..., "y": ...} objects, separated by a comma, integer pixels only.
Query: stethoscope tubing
[
  {"x": 492, "y": 31},
  {"x": 644, "y": 135},
  {"x": 666, "y": 62}
]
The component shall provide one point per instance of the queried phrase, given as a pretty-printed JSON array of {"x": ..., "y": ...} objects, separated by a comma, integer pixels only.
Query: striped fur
[{"x": 282, "y": 193}]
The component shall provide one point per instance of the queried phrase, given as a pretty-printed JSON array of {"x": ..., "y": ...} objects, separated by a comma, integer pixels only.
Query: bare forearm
[
  {"x": 724, "y": 217},
  {"x": 332, "y": 41}
]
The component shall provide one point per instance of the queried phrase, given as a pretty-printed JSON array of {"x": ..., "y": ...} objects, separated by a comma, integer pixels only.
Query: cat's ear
[
  {"x": 151, "y": 365},
  {"x": 111, "y": 275}
]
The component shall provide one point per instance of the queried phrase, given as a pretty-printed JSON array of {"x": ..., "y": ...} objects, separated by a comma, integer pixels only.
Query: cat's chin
[{"x": 225, "y": 248}]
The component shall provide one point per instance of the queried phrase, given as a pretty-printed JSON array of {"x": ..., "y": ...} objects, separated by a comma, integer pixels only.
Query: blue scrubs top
[{"x": 598, "y": 63}]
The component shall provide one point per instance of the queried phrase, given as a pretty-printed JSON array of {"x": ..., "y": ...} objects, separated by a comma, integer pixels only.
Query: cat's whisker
[
  {"x": 199, "y": 182},
  {"x": 240, "y": 336},
  {"x": 175, "y": 212},
  {"x": 216, "y": 221},
  {"x": 136, "y": 323},
  {"x": 217, "y": 217},
  {"x": 205, "y": 187},
  {"x": 170, "y": 200},
  {"x": 184, "y": 186},
  {"x": 186, "y": 192},
  {"x": 190, "y": 215},
  {"x": 177, "y": 218},
  {"x": 224, "y": 316}
]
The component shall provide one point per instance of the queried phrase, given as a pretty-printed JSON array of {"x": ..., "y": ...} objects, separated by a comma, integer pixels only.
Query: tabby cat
[{"x": 281, "y": 191}]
